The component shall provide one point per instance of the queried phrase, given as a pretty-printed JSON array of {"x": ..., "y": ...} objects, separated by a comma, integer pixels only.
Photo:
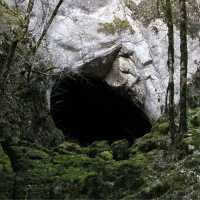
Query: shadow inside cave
[{"x": 90, "y": 111}]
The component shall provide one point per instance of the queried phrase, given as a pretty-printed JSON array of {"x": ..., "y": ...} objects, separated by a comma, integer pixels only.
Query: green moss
[
  {"x": 191, "y": 161},
  {"x": 149, "y": 142},
  {"x": 14, "y": 23},
  {"x": 5, "y": 133},
  {"x": 66, "y": 148},
  {"x": 111, "y": 28},
  {"x": 106, "y": 155},
  {"x": 196, "y": 193},
  {"x": 120, "y": 149},
  {"x": 71, "y": 184},
  {"x": 156, "y": 190},
  {"x": 140, "y": 159},
  {"x": 77, "y": 176},
  {"x": 162, "y": 128},
  {"x": 6, "y": 176},
  {"x": 97, "y": 147}
]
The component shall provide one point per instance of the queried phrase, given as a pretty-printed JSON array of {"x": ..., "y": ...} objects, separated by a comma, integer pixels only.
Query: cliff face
[{"x": 124, "y": 44}]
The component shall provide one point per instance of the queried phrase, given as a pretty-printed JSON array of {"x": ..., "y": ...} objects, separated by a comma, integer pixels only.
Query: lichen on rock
[{"x": 111, "y": 28}]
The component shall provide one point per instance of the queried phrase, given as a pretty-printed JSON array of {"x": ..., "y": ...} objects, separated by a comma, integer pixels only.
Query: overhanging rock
[{"x": 100, "y": 39}]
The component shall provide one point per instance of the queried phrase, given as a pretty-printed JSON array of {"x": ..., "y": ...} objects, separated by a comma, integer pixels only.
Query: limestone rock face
[{"x": 100, "y": 39}]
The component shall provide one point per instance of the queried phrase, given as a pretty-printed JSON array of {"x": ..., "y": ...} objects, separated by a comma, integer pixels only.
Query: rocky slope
[{"x": 37, "y": 163}]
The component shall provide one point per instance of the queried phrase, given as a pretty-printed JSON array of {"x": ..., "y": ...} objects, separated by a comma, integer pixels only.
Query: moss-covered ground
[{"x": 149, "y": 169}]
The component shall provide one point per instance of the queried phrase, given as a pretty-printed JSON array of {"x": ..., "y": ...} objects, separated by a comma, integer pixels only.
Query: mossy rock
[
  {"x": 191, "y": 161},
  {"x": 120, "y": 149},
  {"x": 144, "y": 145},
  {"x": 162, "y": 128},
  {"x": 5, "y": 133},
  {"x": 195, "y": 120},
  {"x": 66, "y": 148},
  {"x": 106, "y": 155},
  {"x": 17, "y": 152},
  {"x": 71, "y": 148},
  {"x": 157, "y": 189},
  {"x": 185, "y": 146},
  {"x": 98, "y": 147},
  {"x": 6, "y": 176},
  {"x": 78, "y": 183},
  {"x": 34, "y": 173}
]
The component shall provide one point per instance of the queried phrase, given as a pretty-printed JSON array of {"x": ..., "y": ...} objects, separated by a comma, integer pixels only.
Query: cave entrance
[{"x": 88, "y": 110}]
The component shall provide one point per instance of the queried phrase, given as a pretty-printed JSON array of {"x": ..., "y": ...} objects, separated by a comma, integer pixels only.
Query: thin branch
[
  {"x": 44, "y": 73},
  {"x": 48, "y": 24},
  {"x": 15, "y": 42},
  {"x": 43, "y": 34}
]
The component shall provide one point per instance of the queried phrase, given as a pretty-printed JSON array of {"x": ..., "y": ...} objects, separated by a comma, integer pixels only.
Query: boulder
[{"x": 120, "y": 149}]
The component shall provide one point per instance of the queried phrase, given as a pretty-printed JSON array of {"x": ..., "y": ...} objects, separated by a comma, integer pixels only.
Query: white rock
[
  {"x": 191, "y": 148},
  {"x": 11, "y": 3},
  {"x": 74, "y": 43}
]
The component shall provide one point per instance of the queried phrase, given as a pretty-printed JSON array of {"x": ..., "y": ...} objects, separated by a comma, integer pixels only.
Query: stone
[
  {"x": 120, "y": 149},
  {"x": 191, "y": 148},
  {"x": 71, "y": 148},
  {"x": 6, "y": 175},
  {"x": 102, "y": 39},
  {"x": 106, "y": 155},
  {"x": 97, "y": 147}
]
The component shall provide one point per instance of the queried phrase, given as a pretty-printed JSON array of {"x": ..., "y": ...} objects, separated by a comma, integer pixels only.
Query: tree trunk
[
  {"x": 170, "y": 64},
  {"x": 14, "y": 43},
  {"x": 183, "y": 69}
]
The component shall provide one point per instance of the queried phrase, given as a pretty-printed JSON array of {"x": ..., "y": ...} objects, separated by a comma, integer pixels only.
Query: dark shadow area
[{"x": 90, "y": 112}]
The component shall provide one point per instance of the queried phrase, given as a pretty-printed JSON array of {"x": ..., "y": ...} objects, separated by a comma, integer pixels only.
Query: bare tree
[
  {"x": 170, "y": 64},
  {"x": 167, "y": 8},
  {"x": 15, "y": 42}
]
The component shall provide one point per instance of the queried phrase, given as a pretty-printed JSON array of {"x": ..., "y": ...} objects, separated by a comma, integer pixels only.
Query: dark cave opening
[{"x": 91, "y": 111}]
